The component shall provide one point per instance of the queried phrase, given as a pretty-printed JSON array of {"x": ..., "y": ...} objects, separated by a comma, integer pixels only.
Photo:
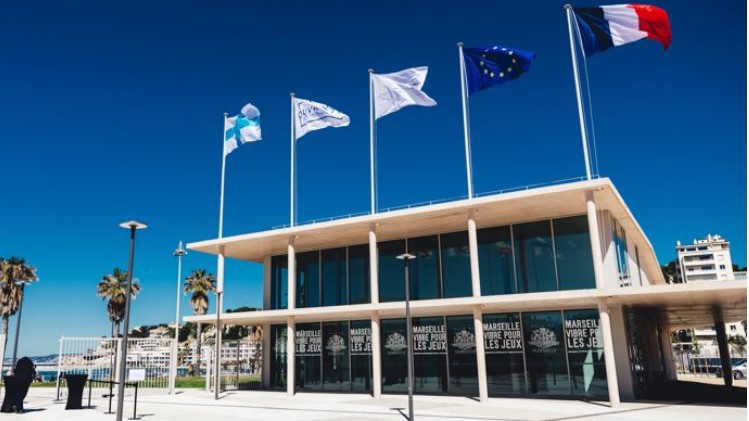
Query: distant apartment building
[{"x": 707, "y": 259}]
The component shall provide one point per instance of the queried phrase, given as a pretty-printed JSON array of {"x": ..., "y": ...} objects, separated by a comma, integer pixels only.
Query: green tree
[
  {"x": 112, "y": 288},
  {"x": 738, "y": 343},
  {"x": 669, "y": 272},
  {"x": 13, "y": 273},
  {"x": 200, "y": 283}
]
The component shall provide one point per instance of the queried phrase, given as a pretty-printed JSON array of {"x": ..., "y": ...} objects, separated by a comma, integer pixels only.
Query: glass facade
[
  {"x": 331, "y": 277},
  {"x": 308, "y": 279},
  {"x": 279, "y": 284},
  {"x": 330, "y": 356},
  {"x": 334, "y": 286},
  {"x": 358, "y": 274},
  {"x": 456, "y": 265},
  {"x": 573, "y": 253},
  {"x": 585, "y": 353},
  {"x": 278, "y": 356},
  {"x": 461, "y": 348},
  {"x": 545, "y": 354},
  {"x": 550, "y": 353},
  {"x": 496, "y": 268},
  {"x": 390, "y": 270},
  {"x": 503, "y": 346},
  {"x": 547, "y": 255},
  {"x": 534, "y": 257},
  {"x": 424, "y": 272}
]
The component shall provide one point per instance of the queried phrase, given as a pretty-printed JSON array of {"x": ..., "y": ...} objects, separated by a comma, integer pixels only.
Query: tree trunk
[
  {"x": 197, "y": 341},
  {"x": 6, "y": 318}
]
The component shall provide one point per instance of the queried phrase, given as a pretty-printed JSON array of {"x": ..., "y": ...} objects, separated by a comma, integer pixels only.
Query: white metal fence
[
  {"x": 97, "y": 358},
  {"x": 241, "y": 364}
]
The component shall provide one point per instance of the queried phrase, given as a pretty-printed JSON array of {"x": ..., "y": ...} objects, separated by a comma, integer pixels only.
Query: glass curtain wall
[
  {"x": 496, "y": 269},
  {"x": 390, "y": 270},
  {"x": 308, "y": 279},
  {"x": 503, "y": 346},
  {"x": 547, "y": 255},
  {"x": 334, "y": 289},
  {"x": 358, "y": 274},
  {"x": 335, "y": 356},
  {"x": 573, "y": 253},
  {"x": 462, "y": 355},
  {"x": 456, "y": 265},
  {"x": 585, "y": 353},
  {"x": 534, "y": 257},
  {"x": 545, "y": 353},
  {"x": 308, "y": 368},
  {"x": 278, "y": 357},
  {"x": 360, "y": 337},
  {"x": 279, "y": 282}
]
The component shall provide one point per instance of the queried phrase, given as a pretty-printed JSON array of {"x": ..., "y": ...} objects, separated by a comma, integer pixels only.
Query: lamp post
[
  {"x": 179, "y": 252},
  {"x": 409, "y": 337},
  {"x": 132, "y": 226},
  {"x": 22, "y": 284}
]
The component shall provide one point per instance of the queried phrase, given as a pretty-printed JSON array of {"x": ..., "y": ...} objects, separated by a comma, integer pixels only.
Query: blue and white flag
[
  {"x": 244, "y": 127},
  {"x": 311, "y": 115}
]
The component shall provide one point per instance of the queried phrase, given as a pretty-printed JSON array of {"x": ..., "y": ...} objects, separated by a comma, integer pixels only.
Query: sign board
[{"x": 136, "y": 374}]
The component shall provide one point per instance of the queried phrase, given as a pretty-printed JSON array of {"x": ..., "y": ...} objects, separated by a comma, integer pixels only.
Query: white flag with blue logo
[
  {"x": 243, "y": 128},
  {"x": 311, "y": 115}
]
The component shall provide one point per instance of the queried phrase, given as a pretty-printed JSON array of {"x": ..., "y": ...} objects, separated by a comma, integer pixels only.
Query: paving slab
[{"x": 198, "y": 405}]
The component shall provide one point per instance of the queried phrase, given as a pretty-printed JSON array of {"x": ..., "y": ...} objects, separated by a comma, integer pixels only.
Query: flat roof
[
  {"x": 494, "y": 210},
  {"x": 678, "y": 305}
]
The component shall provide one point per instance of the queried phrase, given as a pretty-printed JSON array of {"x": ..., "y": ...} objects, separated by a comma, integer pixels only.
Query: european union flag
[{"x": 486, "y": 67}]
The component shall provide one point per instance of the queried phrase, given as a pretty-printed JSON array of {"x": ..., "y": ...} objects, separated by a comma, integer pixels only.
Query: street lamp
[
  {"x": 22, "y": 284},
  {"x": 132, "y": 226},
  {"x": 409, "y": 333},
  {"x": 179, "y": 252}
]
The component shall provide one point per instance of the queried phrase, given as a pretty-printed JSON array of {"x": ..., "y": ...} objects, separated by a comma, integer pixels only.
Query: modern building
[
  {"x": 549, "y": 291},
  {"x": 707, "y": 259}
]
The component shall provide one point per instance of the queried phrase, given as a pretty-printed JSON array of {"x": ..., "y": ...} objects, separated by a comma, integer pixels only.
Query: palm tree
[
  {"x": 13, "y": 273},
  {"x": 200, "y": 284},
  {"x": 113, "y": 287}
]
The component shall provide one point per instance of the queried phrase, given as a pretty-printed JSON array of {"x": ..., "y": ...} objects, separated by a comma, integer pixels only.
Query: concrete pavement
[{"x": 196, "y": 405}]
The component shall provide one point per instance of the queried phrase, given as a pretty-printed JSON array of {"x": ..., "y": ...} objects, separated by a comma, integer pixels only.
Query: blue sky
[{"x": 113, "y": 111}]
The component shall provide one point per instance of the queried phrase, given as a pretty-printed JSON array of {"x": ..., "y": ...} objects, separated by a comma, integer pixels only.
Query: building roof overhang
[
  {"x": 678, "y": 305},
  {"x": 494, "y": 210}
]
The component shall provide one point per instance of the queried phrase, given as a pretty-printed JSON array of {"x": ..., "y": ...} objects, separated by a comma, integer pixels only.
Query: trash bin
[
  {"x": 76, "y": 383},
  {"x": 11, "y": 390}
]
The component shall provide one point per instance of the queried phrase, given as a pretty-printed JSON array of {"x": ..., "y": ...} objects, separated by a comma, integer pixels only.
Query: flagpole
[
  {"x": 223, "y": 178},
  {"x": 293, "y": 162},
  {"x": 372, "y": 120},
  {"x": 578, "y": 90},
  {"x": 466, "y": 130}
]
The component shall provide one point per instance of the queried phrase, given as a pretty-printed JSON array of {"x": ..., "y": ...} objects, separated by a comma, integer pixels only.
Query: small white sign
[{"x": 136, "y": 374}]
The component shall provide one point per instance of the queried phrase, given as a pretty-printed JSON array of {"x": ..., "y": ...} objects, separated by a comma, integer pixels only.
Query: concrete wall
[{"x": 621, "y": 353}]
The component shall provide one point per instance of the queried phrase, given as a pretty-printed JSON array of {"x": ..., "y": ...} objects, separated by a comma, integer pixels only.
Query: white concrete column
[
  {"x": 376, "y": 358},
  {"x": 374, "y": 281},
  {"x": 608, "y": 353},
  {"x": 266, "y": 356},
  {"x": 473, "y": 251},
  {"x": 290, "y": 356},
  {"x": 219, "y": 323},
  {"x": 291, "y": 275},
  {"x": 669, "y": 368},
  {"x": 595, "y": 240},
  {"x": 478, "y": 328}
]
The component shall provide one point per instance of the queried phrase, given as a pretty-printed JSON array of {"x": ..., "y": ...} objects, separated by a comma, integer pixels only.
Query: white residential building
[{"x": 707, "y": 259}]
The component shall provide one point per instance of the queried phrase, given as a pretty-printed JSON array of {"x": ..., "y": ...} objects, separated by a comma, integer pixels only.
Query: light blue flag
[{"x": 244, "y": 127}]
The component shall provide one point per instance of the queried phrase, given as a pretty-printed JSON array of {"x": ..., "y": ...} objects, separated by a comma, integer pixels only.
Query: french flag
[{"x": 604, "y": 27}]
